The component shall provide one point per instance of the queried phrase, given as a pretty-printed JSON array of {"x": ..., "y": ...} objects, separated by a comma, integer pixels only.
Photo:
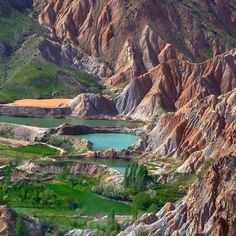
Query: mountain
[{"x": 171, "y": 64}]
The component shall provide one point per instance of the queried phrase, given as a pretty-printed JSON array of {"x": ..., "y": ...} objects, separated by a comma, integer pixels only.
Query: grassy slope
[
  {"x": 28, "y": 74},
  {"x": 15, "y": 27},
  {"x": 27, "y": 152}
]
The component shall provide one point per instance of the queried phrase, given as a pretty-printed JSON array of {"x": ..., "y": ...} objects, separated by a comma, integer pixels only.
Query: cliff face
[
  {"x": 176, "y": 83},
  {"x": 133, "y": 37},
  {"x": 88, "y": 105},
  {"x": 208, "y": 209},
  {"x": 191, "y": 105}
]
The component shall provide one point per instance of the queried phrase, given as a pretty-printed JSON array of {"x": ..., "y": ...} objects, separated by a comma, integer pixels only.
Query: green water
[
  {"x": 53, "y": 122},
  {"x": 106, "y": 141}
]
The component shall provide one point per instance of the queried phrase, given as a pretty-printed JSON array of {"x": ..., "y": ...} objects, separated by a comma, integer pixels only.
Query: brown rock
[
  {"x": 169, "y": 206},
  {"x": 110, "y": 153},
  {"x": 90, "y": 155}
]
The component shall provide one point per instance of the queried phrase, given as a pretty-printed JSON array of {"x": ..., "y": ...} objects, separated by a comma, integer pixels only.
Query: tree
[
  {"x": 112, "y": 227},
  {"x": 135, "y": 211},
  {"x": 135, "y": 177}
]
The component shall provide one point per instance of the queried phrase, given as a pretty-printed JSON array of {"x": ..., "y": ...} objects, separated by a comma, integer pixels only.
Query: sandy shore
[{"x": 45, "y": 103}]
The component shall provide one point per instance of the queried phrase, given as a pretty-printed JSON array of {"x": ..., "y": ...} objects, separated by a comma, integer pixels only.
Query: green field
[
  {"x": 52, "y": 205},
  {"x": 91, "y": 203},
  {"x": 27, "y": 152}
]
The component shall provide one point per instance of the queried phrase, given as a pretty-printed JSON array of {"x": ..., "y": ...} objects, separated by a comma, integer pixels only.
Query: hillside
[{"x": 170, "y": 64}]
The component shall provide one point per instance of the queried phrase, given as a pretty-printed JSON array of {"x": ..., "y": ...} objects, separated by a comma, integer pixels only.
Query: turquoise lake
[
  {"x": 53, "y": 122},
  {"x": 106, "y": 141}
]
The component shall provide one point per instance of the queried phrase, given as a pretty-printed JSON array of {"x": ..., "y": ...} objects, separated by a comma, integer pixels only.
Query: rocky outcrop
[
  {"x": 84, "y": 105},
  {"x": 80, "y": 232},
  {"x": 196, "y": 131},
  {"x": 173, "y": 84},
  {"x": 8, "y": 218},
  {"x": 208, "y": 208},
  {"x": 90, "y": 105},
  {"x": 51, "y": 169},
  {"x": 67, "y": 129},
  {"x": 63, "y": 53},
  {"x": 191, "y": 107},
  {"x": 21, "y": 132}
]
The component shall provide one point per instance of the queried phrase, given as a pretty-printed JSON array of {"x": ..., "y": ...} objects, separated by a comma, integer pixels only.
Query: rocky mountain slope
[
  {"x": 133, "y": 37},
  {"x": 208, "y": 209},
  {"x": 170, "y": 63}
]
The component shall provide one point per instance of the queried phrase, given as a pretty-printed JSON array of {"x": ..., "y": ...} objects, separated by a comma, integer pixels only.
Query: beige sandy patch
[{"x": 45, "y": 103}]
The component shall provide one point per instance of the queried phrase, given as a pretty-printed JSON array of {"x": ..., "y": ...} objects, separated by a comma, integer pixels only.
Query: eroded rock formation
[
  {"x": 88, "y": 105},
  {"x": 132, "y": 37},
  {"x": 208, "y": 209}
]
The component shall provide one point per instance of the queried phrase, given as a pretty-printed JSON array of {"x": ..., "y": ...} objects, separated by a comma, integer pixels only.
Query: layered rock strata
[{"x": 208, "y": 208}]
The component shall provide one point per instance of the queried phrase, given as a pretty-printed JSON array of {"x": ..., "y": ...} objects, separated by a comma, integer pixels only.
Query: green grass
[
  {"x": 15, "y": 27},
  {"x": 27, "y": 152},
  {"x": 26, "y": 74},
  {"x": 90, "y": 203},
  {"x": 168, "y": 193},
  {"x": 41, "y": 79}
]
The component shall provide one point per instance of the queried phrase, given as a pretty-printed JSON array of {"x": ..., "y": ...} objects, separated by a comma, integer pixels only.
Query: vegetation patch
[
  {"x": 26, "y": 152},
  {"x": 15, "y": 27},
  {"x": 63, "y": 143},
  {"x": 24, "y": 73}
]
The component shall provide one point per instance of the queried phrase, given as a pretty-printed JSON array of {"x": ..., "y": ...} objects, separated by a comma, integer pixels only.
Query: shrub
[
  {"x": 7, "y": 133},
  {"x": 112, "y": 227},
  {"x": 65, "y": 144},
  {"x": 111, "y": 191},
  {"x": 143, "y": 201},
  {"x": 72, "y": 204},
  {"x": 153, "y": 208}
]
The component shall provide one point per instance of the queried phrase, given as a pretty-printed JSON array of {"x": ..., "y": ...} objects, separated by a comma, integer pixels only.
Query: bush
[
  {"x": 72, "y": 204},
  {"x": 112, "y": 227},
  {"x": 153, "y": 208},
  {"x": 143, "y": 201},
  {"x": 111, "y": 191},
  {"x": 65, "y": 144},
  {"x": 7, "y": 133}
]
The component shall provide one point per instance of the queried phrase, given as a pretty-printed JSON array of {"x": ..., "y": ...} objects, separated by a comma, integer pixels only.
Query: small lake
[
  {"x": 106, "y": 141},
  {"x": 54, "y": 122}
]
